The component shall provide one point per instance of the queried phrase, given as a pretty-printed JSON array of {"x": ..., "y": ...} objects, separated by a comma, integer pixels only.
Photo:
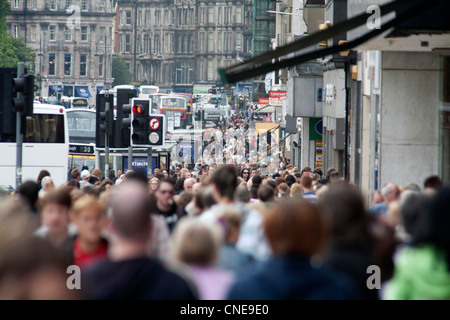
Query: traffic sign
[{"x": 154, "y": 123}]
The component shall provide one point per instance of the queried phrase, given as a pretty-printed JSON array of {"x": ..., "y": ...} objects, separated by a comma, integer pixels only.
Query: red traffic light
[{"x": 138, "y": 109}]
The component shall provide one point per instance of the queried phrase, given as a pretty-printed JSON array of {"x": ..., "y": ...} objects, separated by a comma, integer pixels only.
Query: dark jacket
[
  {"x": 172, "y": 216},
  {"x": 291, "y": 277},
  {"x": 136, "y": 279}
]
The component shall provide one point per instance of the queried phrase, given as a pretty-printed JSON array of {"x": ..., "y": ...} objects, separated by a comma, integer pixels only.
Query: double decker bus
[
  {"x": 156, "y": 101},
  {"x": 189, "y": 104},
  {"x": 144, "y": 91},
  {"x": 81, "y": 123},
  {"x": 174, "y": 107},
  {"x": 45, "y": 146}
]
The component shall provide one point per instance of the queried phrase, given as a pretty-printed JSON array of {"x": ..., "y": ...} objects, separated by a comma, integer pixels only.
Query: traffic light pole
[
  {"x": 20, "y": 73},
  {"x": 130, "y": 157},
  {"x": 149, "y": 163},
  {"x": 106, "y": 143}
]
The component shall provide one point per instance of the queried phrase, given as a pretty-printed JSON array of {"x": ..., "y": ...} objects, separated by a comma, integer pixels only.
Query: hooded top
[{"x": 421, "y": 273}]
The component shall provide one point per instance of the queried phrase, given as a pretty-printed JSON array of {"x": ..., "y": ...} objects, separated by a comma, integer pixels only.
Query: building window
[
  {"x": 210, "y": 42},
  {"x": 219, "y": 16},
  {"x": 84, "y": 34},
  {"x": 146, "y": 43},
  {"x": 202, "y": 45},
  {"x": 34, "y": 4},
  {"x": 84, "y": 5},
  {"x": 202, "y": 15},
  {"x": 225, "y": 10},
  {"x": 128, "y": 20},
  {"x": 121, "y": 44},
  {"x": 102, "y": 34},
  {"x": 16, "y": 4},
  {"x": 83, "y": 62},
  {"x": 33, "y": 33},
  {"x": 102, "y": 5},
  {"x": 202, "y": 71},
  {"x": 122, "y": 18},
  {"x": 68, "y": 34},
  {"x": 230, "y": 15},
  {"x": 139, "y": 18},
  {"x": 147, "y": 17},
  {"x": 238, "y": 15},
  {"x": 15, "y": 31},
  {"x": 210, "y": 14},
  {"x": 100, "y": 65},
  {"x": 219, "y": 42},
  {"x": 210, "y": 70},
  {"x": 238, "y": 37},
  {"x": 52, "y": 32},
  {"x": 53, "y": 5},
  {"x": 157, "y": 18},
  {"x": 172, "y": 17},
  {"x": 67, "y": 64},
  {"x": 68, "y": 4},
  {"x": 127, "y": 43},
  {"x": 51, "y": 64}
]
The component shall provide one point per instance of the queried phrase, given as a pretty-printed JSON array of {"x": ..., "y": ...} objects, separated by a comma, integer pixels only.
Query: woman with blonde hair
[{"x": 195, "y": 244}]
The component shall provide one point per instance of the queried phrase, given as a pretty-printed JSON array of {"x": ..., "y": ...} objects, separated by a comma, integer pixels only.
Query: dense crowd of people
[{"x": 218, "y": 232}]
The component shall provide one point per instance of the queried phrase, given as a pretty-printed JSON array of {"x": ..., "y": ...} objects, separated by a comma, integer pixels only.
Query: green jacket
[{"x": 421, "y": 273}]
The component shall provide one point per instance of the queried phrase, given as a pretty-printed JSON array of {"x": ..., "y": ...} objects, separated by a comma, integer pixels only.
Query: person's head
[
  {"x": 266, "y": 193},
  {"x": 315, "y": 178},
  {"x": 187, "y": 175},
  {"x": 184, "y": 198},
  {"x": 33, "y": 269},
  {"x": 204, "y": 198},
  {"x": 377, "y": 197},
  {"x": 85, "y": 175},
  {"x": 188, "y": 184},
  {"x": 296, "y": 190},
  {"x": 318, "y": 171},
  {"x": 225, "y": 182},
  {"x": 154, "y": 184},
  {"x": 165, "y": 193},
  {"x": 138, "y": 176},
  {"x": 230, "y": 221},
  {"x": 330, "y": 170},
  {"x": 271, "y": 183},
  {"x": 54, "y": 211},
  {"x": 253, "y": 172},
  {"x": 195, "y": 242},
  {"x": 306, "y": 171},
  {"x": 75, "y": 174},
  {"x": 242, "y": 194},
  {"x": 344, "y": 210},
  {"x": 156, "y": 171},
  {"x": 334, "y": 176},
  {"x": 196, "y": 186},
  {"x": 413, "y": 213},
  {"x": 433, "y": 182},
  {"x": 29, "y": 192},
  {"x": 295, "y": 226},
  {"x": 439, "y": 222},
  {"x": 42, "y": 174},
  {"x": 284, "y": 190},
  {"x": 390, "y": 192},
  {"x": 306, "y": 183},
  {"x": 106, "y": 184},
  {"x": 96, "y": 173},
  {"x": 47, "y": 183},
  {"x": 165, "y": 173},
  {"x": 89, "y": 215},
  {"x": 290, "y": 180},
  {"x": 245, "y": 174},
  {"x": 119, "y": 172},
  {"x": 129, "y": 209}
]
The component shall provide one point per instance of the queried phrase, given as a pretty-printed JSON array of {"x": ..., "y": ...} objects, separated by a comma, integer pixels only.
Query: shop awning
[
  {"x": 83, "y": 92},
  {"x": 56, "y": 88}
]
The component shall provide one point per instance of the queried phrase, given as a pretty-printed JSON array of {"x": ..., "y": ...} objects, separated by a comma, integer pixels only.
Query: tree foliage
[
  {"x": 120, "y": 72},
  {"x": 12, "y": 51}
]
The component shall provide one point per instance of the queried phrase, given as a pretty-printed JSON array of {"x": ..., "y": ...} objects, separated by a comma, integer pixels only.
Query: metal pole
[
  {"x": 149, "y": 163},
  {"x": 20, "y": 72},
  {"x": 106, "y": 140},
  {"x": 347, "y": 110},
  {"x": 130, "y": 158}
]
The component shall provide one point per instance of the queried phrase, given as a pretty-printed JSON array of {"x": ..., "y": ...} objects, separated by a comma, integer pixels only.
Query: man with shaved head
[
  {"x": 188, "y": 184},
  {"x": 129, "y": 273}
]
